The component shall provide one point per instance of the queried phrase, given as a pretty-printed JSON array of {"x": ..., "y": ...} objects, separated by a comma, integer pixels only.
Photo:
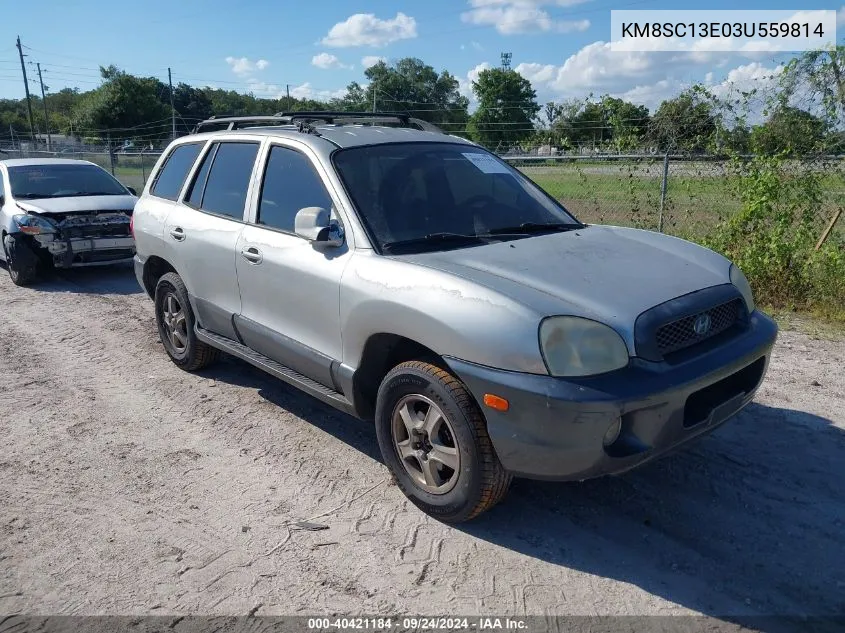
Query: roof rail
[
  {"x": 336, "y": 118},
  {"x": 237, "y": 122}
]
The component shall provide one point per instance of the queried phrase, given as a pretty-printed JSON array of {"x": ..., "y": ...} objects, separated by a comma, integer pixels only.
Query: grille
[{"x": 682, "y": 333}]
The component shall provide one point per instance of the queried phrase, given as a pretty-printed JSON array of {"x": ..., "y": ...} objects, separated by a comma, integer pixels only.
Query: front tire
[
  {"x": 21, "y": 262},
  {"x": 434, "y": 440},
  {"x": 175, "y": 321}
]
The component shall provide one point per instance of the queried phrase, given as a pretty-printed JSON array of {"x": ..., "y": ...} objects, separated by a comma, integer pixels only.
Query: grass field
[{"x": 698, "y": 195}]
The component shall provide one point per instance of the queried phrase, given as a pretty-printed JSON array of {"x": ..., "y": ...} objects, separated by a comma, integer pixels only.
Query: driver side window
[{"x": 290, "y": 183}]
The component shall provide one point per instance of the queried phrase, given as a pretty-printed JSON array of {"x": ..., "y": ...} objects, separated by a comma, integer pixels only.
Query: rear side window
[
  {"x": 227, "y": 180},
  {"x": 172, "y": 176},
  {"x": 290, "y": 183},
  {"x": 194, "y": 197}
]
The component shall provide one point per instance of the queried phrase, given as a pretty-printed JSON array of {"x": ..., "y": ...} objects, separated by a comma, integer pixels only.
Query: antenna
[{"x": 506, "y": 61}]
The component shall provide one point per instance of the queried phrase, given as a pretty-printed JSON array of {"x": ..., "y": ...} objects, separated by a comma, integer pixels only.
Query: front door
[{"x": 290, "y": 286}]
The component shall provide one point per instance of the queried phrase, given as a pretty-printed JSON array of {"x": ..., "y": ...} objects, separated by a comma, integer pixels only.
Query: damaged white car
[{"x": 60, "y": 213}]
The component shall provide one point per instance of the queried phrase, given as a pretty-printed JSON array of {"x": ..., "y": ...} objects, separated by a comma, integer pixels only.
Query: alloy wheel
[
  {"x": 175, "y": 323},
  {"x": 426, "y": 444}
]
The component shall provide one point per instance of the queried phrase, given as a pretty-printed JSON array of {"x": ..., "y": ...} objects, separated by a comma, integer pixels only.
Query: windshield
[
  {"x": 420, "y": 193},
  {"x": 58, "y": 181}
]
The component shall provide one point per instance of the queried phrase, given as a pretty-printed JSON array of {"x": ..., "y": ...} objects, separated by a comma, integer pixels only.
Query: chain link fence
[
  {"x": 130, "y": 168},
  {"x": 677, "y": 194},
  {"x": 680, "y": 195}
]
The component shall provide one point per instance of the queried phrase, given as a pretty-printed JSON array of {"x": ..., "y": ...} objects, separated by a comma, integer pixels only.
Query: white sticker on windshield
[{"x": 487, "y": 164}]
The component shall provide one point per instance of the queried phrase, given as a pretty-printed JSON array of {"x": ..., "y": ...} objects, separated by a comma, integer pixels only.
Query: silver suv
[{"x": 412, "y": 278}]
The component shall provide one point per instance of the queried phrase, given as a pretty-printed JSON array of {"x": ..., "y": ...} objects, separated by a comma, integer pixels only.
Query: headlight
[
  {"x": 738, "y": 279},
  {"x": 573, "y": 346},
  {"x": 33, "y": 224}
]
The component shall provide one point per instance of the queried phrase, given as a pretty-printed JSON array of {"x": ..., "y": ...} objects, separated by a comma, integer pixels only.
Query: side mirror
[
  {"x": 132, "y": 191},
  {"x": 315, "y": 224}
]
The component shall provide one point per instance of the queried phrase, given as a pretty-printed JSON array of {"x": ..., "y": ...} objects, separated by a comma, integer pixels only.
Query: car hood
[
  {"x": 610, "y": 274},
  {"x": 78, "y": 205}
]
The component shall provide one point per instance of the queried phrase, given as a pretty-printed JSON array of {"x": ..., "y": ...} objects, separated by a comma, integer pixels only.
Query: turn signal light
[{"x": 496, "y": 402}]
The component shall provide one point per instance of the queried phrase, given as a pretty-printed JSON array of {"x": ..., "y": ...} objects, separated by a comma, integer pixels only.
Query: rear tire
[
  {"x": 21, "y": 261},
  {"x": 175, "y": 321},
  {"x": 434, "y": 440}
]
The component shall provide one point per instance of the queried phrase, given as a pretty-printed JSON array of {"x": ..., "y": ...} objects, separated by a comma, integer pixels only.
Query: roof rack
[{"x": 332, "y": 118}]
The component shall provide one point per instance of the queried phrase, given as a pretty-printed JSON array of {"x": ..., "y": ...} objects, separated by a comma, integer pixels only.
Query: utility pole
[
  {"x": 44, "y": 101},
  {"x": 26, "y": 88},
  {"x": 374, "y": 98},
  {"x": 287, "y": 89},
  {"x": 172, "y": 107}
]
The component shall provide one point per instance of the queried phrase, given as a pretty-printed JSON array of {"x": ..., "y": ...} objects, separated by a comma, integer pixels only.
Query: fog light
[{"x": 612, "y": 433}]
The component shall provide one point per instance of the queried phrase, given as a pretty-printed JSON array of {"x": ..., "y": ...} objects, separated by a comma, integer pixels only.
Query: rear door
[
  {"x": 290, "y": 286},
  {"x": 203, "y": 230}
]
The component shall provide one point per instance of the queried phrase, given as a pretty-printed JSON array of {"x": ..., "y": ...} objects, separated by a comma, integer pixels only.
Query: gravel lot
[{"x": 131, "y": 487}]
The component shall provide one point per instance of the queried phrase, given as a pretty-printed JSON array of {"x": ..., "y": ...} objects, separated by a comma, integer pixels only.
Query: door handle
[
  {"x": 252, "y": 255},
  {"x": 177, "y": 234}
]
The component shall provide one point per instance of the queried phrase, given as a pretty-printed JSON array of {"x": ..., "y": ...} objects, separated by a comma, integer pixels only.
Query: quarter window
[
  {"x": 290, "y": 183},
  {"x": 172, "y": 175},
  {"x": 227, "y": 181},
  {"x": 194, "y": 196}
]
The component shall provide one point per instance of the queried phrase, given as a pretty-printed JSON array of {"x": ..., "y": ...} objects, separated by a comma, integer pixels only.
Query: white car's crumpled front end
[{"x": 80, "y": 231}]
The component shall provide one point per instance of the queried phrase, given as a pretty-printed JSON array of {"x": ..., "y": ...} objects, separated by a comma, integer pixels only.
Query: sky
[{"x": 316, "y": 48}]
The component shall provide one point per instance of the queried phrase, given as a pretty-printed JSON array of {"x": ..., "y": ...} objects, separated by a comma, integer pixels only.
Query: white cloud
[
  {"x": 652, "y": 95},
  {"x": 371, "y": 60},
  {"x": 511, "y": 17},
  {"x": 244, "y": 66},
  {"x": 645, "y": 77},
  {"x": 537, "y": 73},
  {"x": 307, "y": 91},
  {"x": 365, "y": 29},
  {"x": 739, "y": 80},
  {"x": 327, "y": 61}
]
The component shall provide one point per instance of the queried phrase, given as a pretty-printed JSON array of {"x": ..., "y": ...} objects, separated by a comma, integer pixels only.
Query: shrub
[{"x": 773, "y": 235}]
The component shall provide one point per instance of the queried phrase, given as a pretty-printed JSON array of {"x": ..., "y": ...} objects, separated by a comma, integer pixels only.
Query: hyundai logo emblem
[{"x": 701, "y": 325}]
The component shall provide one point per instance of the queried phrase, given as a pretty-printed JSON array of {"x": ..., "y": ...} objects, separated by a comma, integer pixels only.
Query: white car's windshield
[
  {"x": 444, "y": 194},
  {"x": 31, "y": 182}
]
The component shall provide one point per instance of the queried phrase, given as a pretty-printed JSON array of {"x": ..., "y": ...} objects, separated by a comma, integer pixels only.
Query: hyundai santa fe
[{"x": 414, "y": 279}]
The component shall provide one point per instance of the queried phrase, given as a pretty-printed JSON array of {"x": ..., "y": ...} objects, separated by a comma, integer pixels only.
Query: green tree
[
  {"x": 628, "y": 122},
  {"x": 818, "y": 77},
  {"x": 685, "y": 123},
  {"x": 507, "y": 105},
  {"x": 409, "y": 85},
  {"x": 355, "y": 99},
  {"x": 192, "y": 105},
  {"x": 789, "y": 130},
  {"x": 123, "y": 107},
  {"x": 589, "y": 125}
]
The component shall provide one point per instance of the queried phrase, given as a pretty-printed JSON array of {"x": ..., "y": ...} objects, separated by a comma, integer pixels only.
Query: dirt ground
[{"x": 130, "y": 487}]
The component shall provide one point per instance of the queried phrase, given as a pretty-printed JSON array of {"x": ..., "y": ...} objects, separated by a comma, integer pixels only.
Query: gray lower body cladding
[{"x": 555, "y": 428}]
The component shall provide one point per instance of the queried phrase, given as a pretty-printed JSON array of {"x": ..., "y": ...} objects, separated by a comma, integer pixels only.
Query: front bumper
[
  {"x": 87, "y": 251},
  {"x": 554, "y": 427}
]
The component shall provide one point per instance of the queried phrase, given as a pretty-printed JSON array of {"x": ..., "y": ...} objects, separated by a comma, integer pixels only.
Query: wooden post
[
  {"x": 663, "y": 184},
  {"x": 829, "y": 228}
]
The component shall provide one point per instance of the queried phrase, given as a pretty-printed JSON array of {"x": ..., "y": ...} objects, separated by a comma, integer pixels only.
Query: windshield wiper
[
  {"x": 433, "y": 238},
  {"x": 532, "y": 228},
  {"x": 32, "y": 196},
  {"x": 79, "y": 194}
]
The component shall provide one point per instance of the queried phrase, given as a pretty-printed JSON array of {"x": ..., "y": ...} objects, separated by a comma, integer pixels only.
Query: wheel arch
[
  {"x": 154, "y": 268},
  {"x": 381, "y": 352}
]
